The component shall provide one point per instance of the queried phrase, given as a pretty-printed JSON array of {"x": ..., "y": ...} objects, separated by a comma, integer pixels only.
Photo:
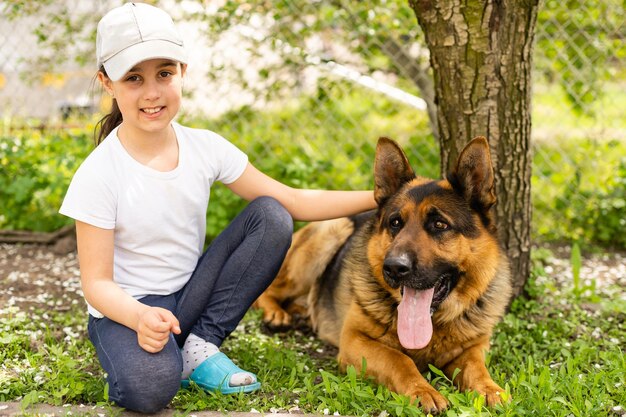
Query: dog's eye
[
  {"x": 395, "y": 222},
  {"x": 439, "y": 225}
]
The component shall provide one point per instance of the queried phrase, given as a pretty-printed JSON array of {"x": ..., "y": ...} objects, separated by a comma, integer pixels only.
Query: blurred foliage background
[{"x": 305, "y": 88}]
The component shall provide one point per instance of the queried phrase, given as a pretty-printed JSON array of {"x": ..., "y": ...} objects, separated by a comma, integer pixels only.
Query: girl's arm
[
  {"x": 306, "y": 205},
  {"x": 95, "y": 255}
]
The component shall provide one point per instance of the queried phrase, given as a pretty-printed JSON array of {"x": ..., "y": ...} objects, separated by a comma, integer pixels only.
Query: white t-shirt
[{"x": 159, "y": 218}]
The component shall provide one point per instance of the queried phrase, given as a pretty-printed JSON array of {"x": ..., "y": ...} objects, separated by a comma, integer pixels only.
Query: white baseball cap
[{"x": 136, "y": 32}]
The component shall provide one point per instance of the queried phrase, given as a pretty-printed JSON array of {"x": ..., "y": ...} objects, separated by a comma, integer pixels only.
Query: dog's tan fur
[{"x": 338, "y": 266}]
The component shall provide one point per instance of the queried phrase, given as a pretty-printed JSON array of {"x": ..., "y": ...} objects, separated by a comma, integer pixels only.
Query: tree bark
[{"x": 481, "y": 54}]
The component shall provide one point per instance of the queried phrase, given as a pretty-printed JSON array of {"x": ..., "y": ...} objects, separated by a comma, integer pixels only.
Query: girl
[{"x": 158, "y": 306}]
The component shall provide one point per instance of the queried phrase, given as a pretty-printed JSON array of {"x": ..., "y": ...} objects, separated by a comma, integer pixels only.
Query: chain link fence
[{"x": 357, "y": 72}]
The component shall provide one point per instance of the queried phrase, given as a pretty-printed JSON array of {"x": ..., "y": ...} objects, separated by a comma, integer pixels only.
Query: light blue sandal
[{"x": 214, "y": 375}]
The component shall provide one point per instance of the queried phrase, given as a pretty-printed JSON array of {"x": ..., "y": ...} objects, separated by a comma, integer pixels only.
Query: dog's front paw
[
  {"x": 430, "y": 400},
  {"x": 491, "y": 392},
  {"x": 277, "y": 319}
]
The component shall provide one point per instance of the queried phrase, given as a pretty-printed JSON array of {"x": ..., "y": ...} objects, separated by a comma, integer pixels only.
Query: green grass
[
  {"x": 558, "y": 353},
  {"x": 46, "y": 358}
]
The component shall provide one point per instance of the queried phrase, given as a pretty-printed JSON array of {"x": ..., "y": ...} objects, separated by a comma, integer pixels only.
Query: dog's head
[{"x": 436, "y": 244}]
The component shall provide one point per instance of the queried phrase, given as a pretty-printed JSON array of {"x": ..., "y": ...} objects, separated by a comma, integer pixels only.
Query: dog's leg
[
  {"x": 388, "y": 366},
  {"x": 473, "y": 373},
  {"x": 311, "y": 250},
  {"x": 274, "y": 316}
]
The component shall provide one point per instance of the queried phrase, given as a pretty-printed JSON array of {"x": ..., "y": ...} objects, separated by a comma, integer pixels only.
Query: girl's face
[{"x": 148, "y": 95}]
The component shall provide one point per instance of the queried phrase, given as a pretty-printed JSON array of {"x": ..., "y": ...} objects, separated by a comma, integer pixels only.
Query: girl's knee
[
  {"x": 148, "y": 388},
  {"x": 148, "y": 395},
  {"x": 276, "y": 215}
]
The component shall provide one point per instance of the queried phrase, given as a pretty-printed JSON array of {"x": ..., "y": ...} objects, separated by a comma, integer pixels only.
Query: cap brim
[{"x": 122, "y": 62}]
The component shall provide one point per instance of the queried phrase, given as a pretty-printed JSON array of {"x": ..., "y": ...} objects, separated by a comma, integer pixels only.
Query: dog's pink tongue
[{"x": 415, "y": 327}]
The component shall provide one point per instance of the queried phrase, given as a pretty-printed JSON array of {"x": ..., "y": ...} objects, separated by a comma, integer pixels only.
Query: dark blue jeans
[{"x": 236, "y": 268}]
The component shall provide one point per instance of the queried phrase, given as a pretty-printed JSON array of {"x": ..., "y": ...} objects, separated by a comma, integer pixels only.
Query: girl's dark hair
[{"x": 108, "y": 122}]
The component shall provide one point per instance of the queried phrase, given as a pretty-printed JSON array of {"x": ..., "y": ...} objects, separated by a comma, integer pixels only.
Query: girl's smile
[
  {"x": 153, "y": 113},
  {"x": 153, "y": 110}
]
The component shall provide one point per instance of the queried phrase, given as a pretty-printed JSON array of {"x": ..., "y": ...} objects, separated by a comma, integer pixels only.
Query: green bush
[
  {"x": 600, "y": 214},
  {"x": 579, "y": 186},
  {"x": 579, "y": 192},
  {"x": 289, "y": 144},
  {"x": 36, "y": 169}
]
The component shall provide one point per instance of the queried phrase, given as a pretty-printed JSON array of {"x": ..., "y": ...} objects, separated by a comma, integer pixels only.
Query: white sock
[{"x": 197, "y": 350}]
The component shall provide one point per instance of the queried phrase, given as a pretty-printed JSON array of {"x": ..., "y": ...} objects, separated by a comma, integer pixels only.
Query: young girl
[{"x": 158, "y": 307}]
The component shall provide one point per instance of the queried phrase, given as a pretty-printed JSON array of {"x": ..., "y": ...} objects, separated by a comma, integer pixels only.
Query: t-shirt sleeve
[
  {"x": 90, "y": 199},
  {"x": 233, "y": 162}
]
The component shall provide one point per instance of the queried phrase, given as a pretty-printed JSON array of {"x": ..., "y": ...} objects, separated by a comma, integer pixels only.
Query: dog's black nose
[{"x": 397, "y": 269}]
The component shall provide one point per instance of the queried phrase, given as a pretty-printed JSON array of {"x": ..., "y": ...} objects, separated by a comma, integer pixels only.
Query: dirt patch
[
  {"x": 605, "y": 270},
  {"x": 36, "y": 277}
]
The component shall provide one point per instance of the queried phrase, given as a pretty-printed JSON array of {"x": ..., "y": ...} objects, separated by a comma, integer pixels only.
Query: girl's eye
[
  {"x": 165, "y": 74},
  {"x": 133, "y": 78}
]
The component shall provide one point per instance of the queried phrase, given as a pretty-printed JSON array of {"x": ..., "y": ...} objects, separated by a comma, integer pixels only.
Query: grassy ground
[{"x": 558, "y": 353}]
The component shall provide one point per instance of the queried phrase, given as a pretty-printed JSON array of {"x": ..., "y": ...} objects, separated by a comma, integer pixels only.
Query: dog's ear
[
  {"x": 473, "y": 175},
  {"x": 391, "y": 170}
]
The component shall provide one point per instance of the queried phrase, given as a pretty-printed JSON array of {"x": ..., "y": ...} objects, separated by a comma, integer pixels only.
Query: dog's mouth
[
  {"x": 415, "y": 328},
  {"x": 441, "y": 290}
]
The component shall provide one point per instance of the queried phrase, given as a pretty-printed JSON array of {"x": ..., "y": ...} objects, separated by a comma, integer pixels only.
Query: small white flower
[{"x": 39, "y": 379}]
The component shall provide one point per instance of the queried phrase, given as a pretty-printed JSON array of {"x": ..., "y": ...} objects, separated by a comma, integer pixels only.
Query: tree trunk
[{"x": 481, "y": 53}]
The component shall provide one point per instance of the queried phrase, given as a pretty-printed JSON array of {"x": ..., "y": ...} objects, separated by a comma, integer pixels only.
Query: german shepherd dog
[{"x": 421, "y": 280}]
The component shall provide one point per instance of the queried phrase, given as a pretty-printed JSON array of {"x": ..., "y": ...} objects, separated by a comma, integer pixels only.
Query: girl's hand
[{"x": 154, "y": 327}]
